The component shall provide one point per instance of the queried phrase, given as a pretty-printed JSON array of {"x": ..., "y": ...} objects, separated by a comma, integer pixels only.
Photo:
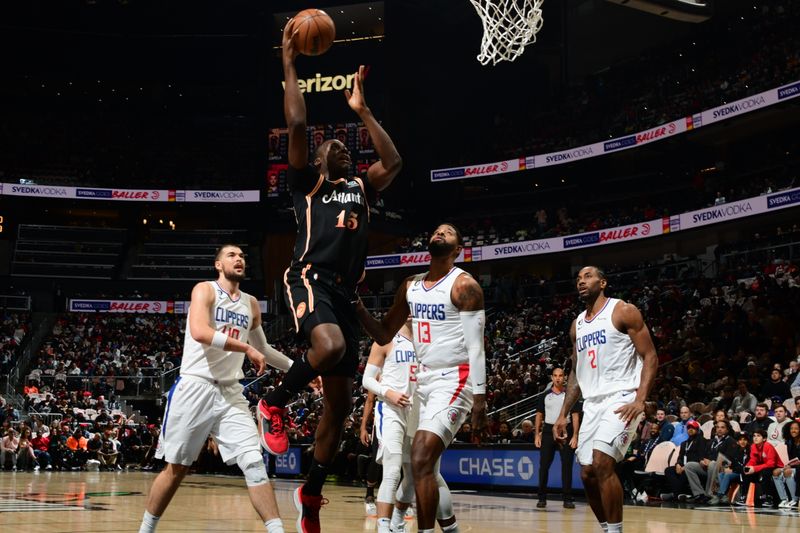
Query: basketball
[{"x": 315, "y": 32}]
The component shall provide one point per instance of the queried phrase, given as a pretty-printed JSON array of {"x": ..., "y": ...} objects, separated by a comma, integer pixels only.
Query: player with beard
[
  {"x": 448, "y": 318},
  {"x": 223, "y": 325},
  {"x": 332, "y": 213},
  {"x": 614, "y": 364}
]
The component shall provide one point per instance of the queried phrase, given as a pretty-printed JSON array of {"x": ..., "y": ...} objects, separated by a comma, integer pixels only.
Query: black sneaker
[
  {"x": 541, "y": 504},
  {"x": 569, "y": 504}
]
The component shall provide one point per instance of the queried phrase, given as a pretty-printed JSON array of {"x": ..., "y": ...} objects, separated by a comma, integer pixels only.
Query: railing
[{"x": 117, "y": 385}]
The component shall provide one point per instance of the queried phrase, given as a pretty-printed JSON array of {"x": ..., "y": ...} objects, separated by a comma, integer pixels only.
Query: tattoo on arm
[{"x": 469, "y": 295}]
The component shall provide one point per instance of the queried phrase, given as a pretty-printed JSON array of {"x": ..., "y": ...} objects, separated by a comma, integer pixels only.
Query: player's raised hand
[
  {"x": 560, "y": 429},
  {"x": 630, "y": 411},
  {"x": 398, "y": 399},
  {"x": 288, "y": 49},
  {"x": 258, "y": 360},
  {"x": 356, "y": 99}
]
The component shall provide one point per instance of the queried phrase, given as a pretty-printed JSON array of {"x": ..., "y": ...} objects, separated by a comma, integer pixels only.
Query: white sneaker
[
  {"x": 783, "y": 504},
  {"x": 410, "y": 513},
  {"x": 371, "y": 508},
  {"x": 642, "y": 497},
  {"x": 36, "y": 468},
  {"x": 398, "y": 528}
]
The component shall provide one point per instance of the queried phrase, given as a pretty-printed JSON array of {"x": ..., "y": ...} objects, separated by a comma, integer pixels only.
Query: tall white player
[
  {"x": 223, "y": 325},
  {"x": 448, "y": 318},
  {"x": 391, "y": 375},
  {"x": 614, "y": 364}
]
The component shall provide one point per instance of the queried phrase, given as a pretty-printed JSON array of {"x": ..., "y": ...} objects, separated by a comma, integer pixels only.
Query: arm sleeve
[
  {"x": 274, "y": 358},
  {"x": 540, "y": 403},
  {"x": 371, "y": 383},
  {"x": 473, "y": 323}
]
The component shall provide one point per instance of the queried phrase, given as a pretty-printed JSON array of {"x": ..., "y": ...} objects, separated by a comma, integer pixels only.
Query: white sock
[
  {"x": 398, "y": 516},
  {"x": 149, "y": 523},
  {"x": 274, "y": 526},
  {"x": 432, "y": 530},
  {"x": 604, "y": 526},
  {"x": 615, "y": 528},
  {"x": 452, "y": 528},
  {"x": 383, "y": 525}
]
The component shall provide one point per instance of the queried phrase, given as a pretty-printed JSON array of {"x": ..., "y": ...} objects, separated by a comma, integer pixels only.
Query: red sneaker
[
  {"x": 270, "y": 428},
  {"x": 308, "y": 507}
]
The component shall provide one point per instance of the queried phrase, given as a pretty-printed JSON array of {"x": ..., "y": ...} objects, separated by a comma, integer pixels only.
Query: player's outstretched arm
[
  {"x": 467, "y": 296},
  {"x": 201, "y": 331},
  {"x": 377, "y": 357},
  {"x": 628, "y": 318},
  {"x": 294, "y": 106},
  {"x": 258, "y": 340},
  {"x": 381, "y": 173},
  {"x": 572, "y": 396},
  {"x": 383, "y": 330}
]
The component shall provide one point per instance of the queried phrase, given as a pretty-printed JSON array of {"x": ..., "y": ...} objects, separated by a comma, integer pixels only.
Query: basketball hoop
[{"x": 508, "y": 26}]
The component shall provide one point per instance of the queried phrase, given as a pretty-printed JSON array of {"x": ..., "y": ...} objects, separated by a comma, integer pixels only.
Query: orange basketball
[{"x": 315, "y": 32}]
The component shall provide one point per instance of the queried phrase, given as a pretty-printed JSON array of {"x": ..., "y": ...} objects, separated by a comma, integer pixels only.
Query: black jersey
[{"x": 332, "y": 223}]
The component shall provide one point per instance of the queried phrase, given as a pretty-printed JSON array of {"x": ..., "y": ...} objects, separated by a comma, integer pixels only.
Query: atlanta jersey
[
  {"x": 228, "y": 316},
  {"x": 436, "y": 324},
  {"x": 400, "y": 366},
  {"x": 332, "y": 223},
  {"x": 607, "y": 361}
]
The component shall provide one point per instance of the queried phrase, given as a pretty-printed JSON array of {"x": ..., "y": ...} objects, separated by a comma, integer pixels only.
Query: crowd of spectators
[
  {"x": 663, "y": 84},
  {"x": 14, "y": 326},
  {"x": 109, "y": 352},
  {"x": 79, "y": 433}
]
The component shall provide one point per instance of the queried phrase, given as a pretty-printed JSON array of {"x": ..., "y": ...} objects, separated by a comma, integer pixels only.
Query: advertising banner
[
  {"x": 120, "y": 306},
  {"x": 288, "y": 463},
  {"x": 502, "y": 467},
  {"x": 131, "y": 195},
  {"x": 663, "y": 131}
]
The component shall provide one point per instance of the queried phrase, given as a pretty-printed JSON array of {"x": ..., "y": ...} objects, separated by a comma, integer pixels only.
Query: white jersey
[
  {"x": 400, "y": 366},
  {"x": 607, "y": 361},
  {"x": 228, "y": 316},
  {"x": 436, "y": 324}
]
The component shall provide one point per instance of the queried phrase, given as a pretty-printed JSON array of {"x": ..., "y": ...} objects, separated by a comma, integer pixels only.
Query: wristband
[{"x": 218, "y": 340}]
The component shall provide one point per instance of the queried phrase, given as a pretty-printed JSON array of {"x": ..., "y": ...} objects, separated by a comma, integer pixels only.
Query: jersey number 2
[
  {"x": 351, "y": 223},
  {"x": 592, "y": 358},
  {"x": 424, "y": 332}
]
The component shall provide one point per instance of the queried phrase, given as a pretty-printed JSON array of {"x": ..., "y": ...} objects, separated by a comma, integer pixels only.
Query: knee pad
[
  {"x": 392, "y": 463},
  {"x": 445, "y": 509},
  {"x": 252, "y": 465},
  {"x": 405, "y": 492}
]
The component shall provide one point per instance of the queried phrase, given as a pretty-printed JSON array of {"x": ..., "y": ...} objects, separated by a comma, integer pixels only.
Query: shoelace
[{"x": 275, "y": 423}]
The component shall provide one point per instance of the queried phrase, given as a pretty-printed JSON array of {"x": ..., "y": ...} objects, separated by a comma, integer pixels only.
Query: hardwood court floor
[{"x": 87, "y": 502}]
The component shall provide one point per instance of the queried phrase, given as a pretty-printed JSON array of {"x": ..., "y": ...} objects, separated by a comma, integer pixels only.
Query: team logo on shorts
[
  {"x": 623, "y": 438},
  {"x": 301, "y": 309},
  {"x": 452, "y": 415}
]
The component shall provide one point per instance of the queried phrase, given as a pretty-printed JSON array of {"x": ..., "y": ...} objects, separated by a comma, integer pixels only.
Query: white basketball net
[{"x": 508, "y": 26}]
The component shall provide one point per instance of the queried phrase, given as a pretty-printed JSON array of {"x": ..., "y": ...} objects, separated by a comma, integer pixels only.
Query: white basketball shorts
[
  {"x": 603, "y": 430},
  {"x": 395, "y": 428},
  {"x": 197, "y": 408},
  {"x": 445, "y": 397}
]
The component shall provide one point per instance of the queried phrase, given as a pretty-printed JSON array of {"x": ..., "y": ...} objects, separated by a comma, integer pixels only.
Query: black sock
[
  {"x": 295, "y": 380},
  {"x": 370, "y": 491},
  {"x": 316, "y": 478}
]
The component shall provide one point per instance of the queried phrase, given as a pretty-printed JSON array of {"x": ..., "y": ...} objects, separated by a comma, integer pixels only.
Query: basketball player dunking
[
  {"x": 223, "y": 325},
  {"x": 447, "y": 313},
  {"x": 614, "y": 364},
  {"x": 396, "y": 420},
  {"x": 332, "y": 213}
]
